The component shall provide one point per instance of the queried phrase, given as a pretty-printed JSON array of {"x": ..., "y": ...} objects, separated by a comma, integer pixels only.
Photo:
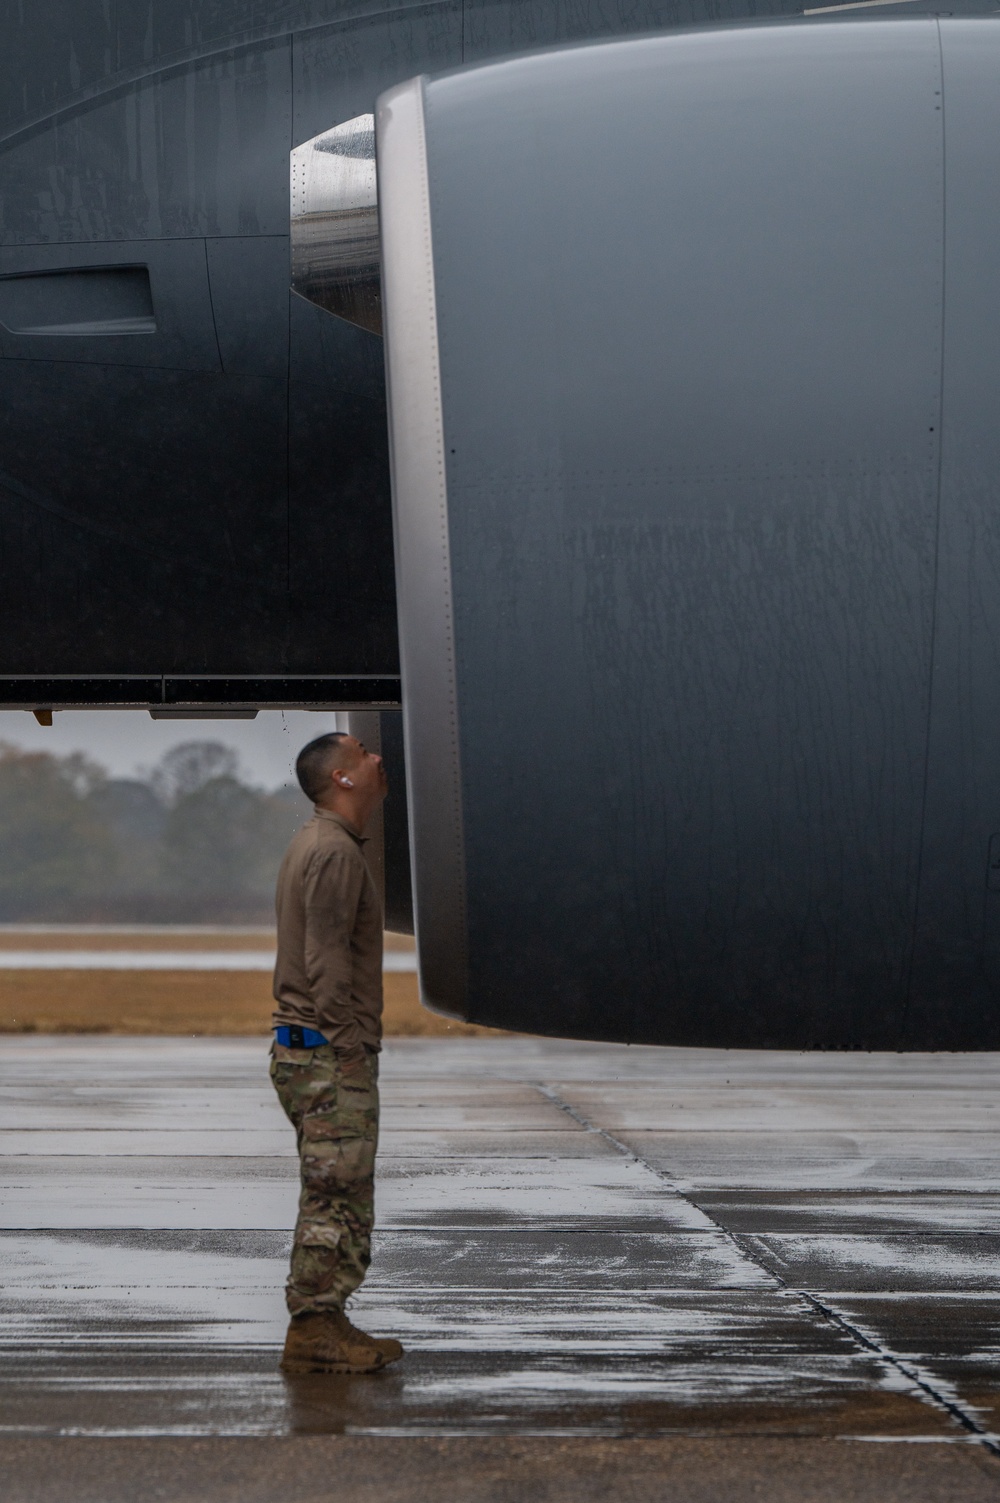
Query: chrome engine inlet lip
[{"x": 334, "y": 223}]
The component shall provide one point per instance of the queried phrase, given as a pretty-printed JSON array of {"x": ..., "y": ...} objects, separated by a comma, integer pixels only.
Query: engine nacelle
[{"x": 696, "y": 453}]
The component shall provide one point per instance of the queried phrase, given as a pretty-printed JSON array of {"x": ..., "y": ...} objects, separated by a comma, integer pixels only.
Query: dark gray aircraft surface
[{"x": 693, "y": 358}]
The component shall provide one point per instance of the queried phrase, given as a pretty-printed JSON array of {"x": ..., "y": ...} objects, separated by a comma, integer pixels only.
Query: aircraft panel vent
[{"x": 81, "y": 302}]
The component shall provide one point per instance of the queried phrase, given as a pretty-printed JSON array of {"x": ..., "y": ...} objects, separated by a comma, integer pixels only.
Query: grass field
[{"x": 174, "y": 1002}]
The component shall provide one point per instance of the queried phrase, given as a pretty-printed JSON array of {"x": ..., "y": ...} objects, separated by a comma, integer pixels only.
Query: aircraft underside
[{"x": 685, "y": 571}]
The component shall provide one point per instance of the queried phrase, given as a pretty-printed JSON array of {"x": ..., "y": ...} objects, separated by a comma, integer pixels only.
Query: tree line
[{"x": 187, "y": 842}]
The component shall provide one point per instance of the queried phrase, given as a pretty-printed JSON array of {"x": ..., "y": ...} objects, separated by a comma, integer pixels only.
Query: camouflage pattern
[{"x": 333, "y": 1107}]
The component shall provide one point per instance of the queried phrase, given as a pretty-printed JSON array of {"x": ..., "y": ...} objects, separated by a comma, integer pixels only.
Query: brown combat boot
[
  {"x": 326, "y": 1342},
  {"x": 390, "y": 1348}
]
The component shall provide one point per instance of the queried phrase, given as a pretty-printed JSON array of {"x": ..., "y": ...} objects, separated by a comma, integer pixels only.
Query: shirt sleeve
[{"x": 333, "y": 885}]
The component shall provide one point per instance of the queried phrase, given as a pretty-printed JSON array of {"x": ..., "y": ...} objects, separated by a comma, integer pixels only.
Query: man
[{"x": 327, "y": 1034}]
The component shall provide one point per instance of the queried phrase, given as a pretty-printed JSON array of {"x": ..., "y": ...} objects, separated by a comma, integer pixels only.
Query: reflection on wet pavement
[{"x": 574, "y": 1240}]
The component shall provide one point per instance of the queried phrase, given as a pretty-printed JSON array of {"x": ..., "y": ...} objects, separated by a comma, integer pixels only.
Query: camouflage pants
[{"x": 335, "y": 1115}]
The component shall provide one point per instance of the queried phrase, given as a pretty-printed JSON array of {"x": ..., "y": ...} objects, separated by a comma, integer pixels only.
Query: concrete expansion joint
[
  {"x": 814, "y": 1305},
  {"x": 927, "y": 1387}
]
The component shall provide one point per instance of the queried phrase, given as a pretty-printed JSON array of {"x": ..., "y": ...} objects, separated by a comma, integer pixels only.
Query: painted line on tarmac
[{"x": 164, "y": 960}]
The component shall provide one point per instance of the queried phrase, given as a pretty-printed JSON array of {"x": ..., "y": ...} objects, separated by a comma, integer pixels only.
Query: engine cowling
[{"x": 695, "y": 459}]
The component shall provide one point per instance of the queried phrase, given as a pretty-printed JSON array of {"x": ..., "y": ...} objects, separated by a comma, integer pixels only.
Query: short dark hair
[{"x": 314, "y": 764}]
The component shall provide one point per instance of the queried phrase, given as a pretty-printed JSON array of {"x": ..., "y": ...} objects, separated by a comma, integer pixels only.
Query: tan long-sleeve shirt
[{"x": 328, "y": 974}]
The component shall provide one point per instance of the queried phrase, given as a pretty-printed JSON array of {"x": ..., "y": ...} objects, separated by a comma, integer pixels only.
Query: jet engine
[{"x": 693, "y": 365}]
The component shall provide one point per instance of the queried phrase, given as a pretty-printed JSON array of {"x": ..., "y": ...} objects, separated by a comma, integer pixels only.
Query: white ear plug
[{"x": 347, "y": 783}]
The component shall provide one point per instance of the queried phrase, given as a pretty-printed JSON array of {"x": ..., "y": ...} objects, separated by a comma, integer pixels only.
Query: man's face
[{"x": 363, "y": 767}]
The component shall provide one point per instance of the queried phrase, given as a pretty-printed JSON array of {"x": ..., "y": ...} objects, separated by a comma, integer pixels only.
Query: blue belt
[{"x": 294, "y": 1037}]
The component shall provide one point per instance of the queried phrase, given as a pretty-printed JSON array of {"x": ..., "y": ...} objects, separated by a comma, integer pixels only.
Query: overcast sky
[{"x": 125, "y": 741}]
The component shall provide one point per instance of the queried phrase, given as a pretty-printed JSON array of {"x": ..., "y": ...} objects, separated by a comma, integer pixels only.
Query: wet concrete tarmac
[{"x": 662, "y": 1266}]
